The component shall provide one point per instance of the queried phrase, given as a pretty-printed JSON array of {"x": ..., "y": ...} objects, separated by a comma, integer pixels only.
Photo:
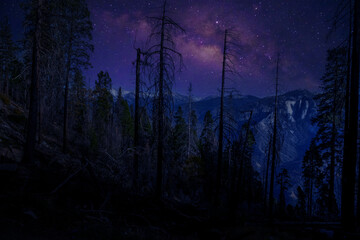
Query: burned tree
[
  {"x": 36, "y": 16},
  {"x": 274, "y": 142},
  {"x": 266, "y": 180},
  {"x": 350, "y": 152},
  {"x": 230, "y": 51},
  {"x": 161, "y": 60},
  {"x": 137, "y": 117}
]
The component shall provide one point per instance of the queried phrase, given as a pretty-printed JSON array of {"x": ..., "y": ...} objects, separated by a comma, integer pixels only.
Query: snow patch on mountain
[{"x": 305, "y": 110}]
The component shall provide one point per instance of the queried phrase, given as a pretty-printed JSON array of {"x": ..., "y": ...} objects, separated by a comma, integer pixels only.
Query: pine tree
[
  {"x": 103, "y": 102},
  {"x": 192, "y": 136},
  {"x": 78, "y": 32},
  {"x": 127, "y": 124},
  {"x": 311, "y": 166},
  {"x": 301, "y": 202},
  {"x": 34, "y": 16},
  {"x": 283, "y": 180},
  {"x": 179, "y": 135},
  {"x": 78, "y": 98},
  {"x": 244, "y": 172},
  {"x": 207, "y": 143},
  {"x": 329, "y": 118}
]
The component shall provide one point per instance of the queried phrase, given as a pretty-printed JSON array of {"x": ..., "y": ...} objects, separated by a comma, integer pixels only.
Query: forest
[{"x": 94, "y": 162}]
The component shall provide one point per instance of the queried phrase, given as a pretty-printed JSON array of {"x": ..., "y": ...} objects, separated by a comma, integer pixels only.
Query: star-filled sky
[{"x": 296, "y": 29}]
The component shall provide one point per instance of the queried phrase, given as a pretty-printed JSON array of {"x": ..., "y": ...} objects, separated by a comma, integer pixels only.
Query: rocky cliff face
[{"x": 296, "y": 108}]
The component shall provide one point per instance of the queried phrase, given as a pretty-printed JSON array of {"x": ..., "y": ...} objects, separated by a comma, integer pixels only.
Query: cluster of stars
[{"x": 297, "y": 29}]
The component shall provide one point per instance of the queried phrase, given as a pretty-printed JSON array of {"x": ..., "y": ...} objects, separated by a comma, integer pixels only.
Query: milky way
[{"x": 296, "y": 29}]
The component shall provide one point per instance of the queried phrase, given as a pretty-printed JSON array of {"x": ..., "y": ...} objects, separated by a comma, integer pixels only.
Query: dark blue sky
[{"x": 297, "y": 29}]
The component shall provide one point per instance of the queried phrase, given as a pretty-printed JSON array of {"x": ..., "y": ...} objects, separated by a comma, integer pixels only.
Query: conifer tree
[
  {"x": 179, "y": 135},
  {"x": 311, "y": 166},
  {"x": 329, "y": 118},
  {"x": 283, "y": 180},
  {"x": 301, "y": 202},
  {"x": 77, "y": 34},
  {"x": 103, "y": 102},
  {"x": 79, "y": 102},
  {"x": 7, "y": 55},
  {"x": 207, "y": 145},
  {"x": 35, "y": 19},
  {"x": 127, "y": 124}
]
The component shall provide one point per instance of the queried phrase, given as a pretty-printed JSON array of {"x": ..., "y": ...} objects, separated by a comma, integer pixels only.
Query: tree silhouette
[
  {"x": 350, "y": 152},
  {"x": 36, "y": 15},
  {"x": 78, "y": 34},
  {"x": 161, "y": 60},
  {"x": 274, "y": 142}
]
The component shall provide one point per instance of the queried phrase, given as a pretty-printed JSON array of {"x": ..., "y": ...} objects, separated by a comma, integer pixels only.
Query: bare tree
[
  {"x": 350, "y": 152},
  {"x": 34, "y": 85},
  {"x": 266, "y": 181},
  {"x": 229, "y": 70},
  {"x": 137, "y": 115},
  {"x": 189, "y": 121},
  {"x": 274, "y": 150},
  {"x": 161, "y": 59}
]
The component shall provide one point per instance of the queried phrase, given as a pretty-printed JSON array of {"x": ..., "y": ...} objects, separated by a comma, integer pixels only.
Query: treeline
[
  {"x": 163, "y": 153},
  {"x": 160, "y": 151},
  {"x": 329, "y": 165}
]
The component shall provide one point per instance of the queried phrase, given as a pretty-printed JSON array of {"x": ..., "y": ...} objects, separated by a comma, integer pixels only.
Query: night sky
[{"x": 296, "y": 29}]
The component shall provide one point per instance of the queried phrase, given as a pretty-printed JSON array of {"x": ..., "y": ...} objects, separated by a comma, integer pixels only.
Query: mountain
[
  {"x": 129, "y": 96},
  {"x": 296, "y": 108}
]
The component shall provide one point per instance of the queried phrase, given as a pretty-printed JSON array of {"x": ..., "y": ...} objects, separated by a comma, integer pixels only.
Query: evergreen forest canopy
[{"x": 97, "y": 161}]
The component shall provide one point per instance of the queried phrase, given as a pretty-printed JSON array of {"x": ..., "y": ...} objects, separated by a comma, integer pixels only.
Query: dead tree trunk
[
  {"x": 273, "y": 158},
  {"x": 137, "y": 118},
  {"x": 242, "y": 160},
  {"x": 67, "y": 76},
  {"x": 331, "y": 197},
  {"x": 160, "y": 115},
  {"x": 349, "y": 163},
  {"x": 159, "y": 57},
  {"x": 189, "y": 123},
  {"x": 267, "y": 175},
  {"x": 221, "y": 127},
  {"x": 34, "y": 90}
]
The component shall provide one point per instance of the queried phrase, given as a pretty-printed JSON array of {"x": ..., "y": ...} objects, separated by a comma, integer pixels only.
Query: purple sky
[{"x": 296, "y": 29}]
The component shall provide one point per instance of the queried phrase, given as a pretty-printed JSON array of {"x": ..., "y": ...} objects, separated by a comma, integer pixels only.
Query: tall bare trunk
[
  {"x": 137, "y": 118},
  {"x": 331, "y": 197},
  {"x": 189, "y": 124},
  {"x": 68, "y": 68},
  {"x": 273, "y": 158},
  {"x": 34, "y": 90},
  {"x": 221, "y": 126},
  {"x": 267, "y": 175},
  {"x": 349, "y": 163},
  {"x": 160, "y": 147}
]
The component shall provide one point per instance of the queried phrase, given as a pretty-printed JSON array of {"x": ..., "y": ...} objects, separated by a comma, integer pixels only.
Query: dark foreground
[
  {"x": 35, "y": 206},
  {"x": 78, "y": 195}
]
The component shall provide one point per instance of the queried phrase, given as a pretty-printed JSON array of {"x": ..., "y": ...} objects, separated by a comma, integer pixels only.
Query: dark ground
[{"x": 70, "y": 197}]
